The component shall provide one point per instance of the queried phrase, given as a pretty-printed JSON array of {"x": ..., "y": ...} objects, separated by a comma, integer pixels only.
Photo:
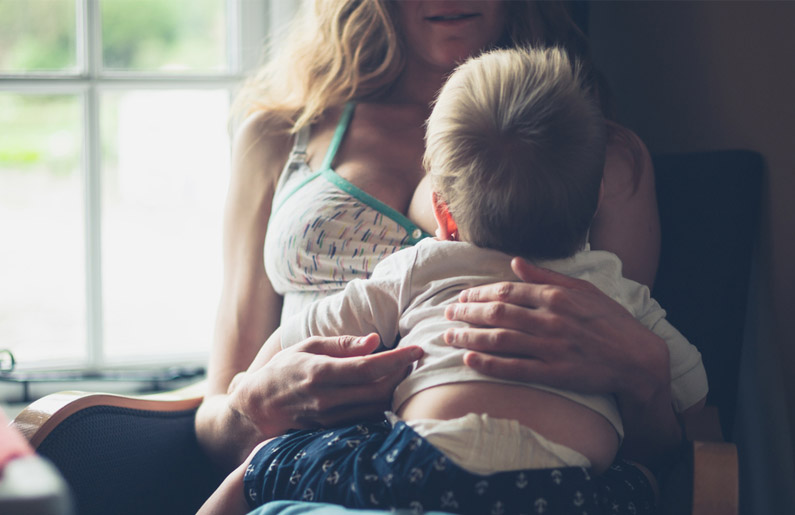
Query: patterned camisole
[{"x": 324, "y": 231}]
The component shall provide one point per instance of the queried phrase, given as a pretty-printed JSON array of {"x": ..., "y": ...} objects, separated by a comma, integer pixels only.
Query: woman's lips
[{"x": 451, "y": 17}]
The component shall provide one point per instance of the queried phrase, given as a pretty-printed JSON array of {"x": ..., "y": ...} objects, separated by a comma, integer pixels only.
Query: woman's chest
[
  {"x": 325, "y": 231},
  {"x": 380, "y": 153}
]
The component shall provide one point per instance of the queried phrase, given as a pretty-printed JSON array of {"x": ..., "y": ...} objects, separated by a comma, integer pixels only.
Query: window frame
[{"x": 249, "y": 24}]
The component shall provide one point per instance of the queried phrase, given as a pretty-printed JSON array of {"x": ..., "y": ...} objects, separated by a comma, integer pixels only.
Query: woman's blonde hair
[
  {"x": 515, "y": 147},
  {"x": 340, "y": 50},
  {"x": 336, "y": 50}
]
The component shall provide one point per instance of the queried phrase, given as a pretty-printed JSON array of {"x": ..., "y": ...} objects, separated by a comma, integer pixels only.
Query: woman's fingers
[
  {"x": 334, "y": 403},
  {"x": 384, "y": 364},
  {"x": 507, "y": 291},
  {"x": 517, "y": 369},
  {"x": 349, "y": 359},
  {"x": 497, "y": 341},
  {"x": 366, "y": 369},
  {"x": 502, "y": 314},
  {"x": 541, "y": 288},
  {"x": 531, "y": 273},
  {"x": 340, "y": 346}
]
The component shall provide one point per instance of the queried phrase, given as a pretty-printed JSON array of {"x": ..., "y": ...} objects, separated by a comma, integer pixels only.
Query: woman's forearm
[
  {"x": 225, "y": 435},
  {"x": 652, "y": 432},
  {"x": 644, "y": 398},
  {"x": 651, "y": 428}
]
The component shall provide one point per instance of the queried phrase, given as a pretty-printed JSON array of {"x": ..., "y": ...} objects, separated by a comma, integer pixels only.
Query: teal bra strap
[{"x": 342, "y": 126}]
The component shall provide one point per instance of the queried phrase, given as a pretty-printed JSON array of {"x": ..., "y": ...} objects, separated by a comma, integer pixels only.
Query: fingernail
[
  {"x": 471, "y": 359},
  {"x": 416, "y": 353},
  {"x": 449, "y": 312},
  {"x": 463, "y": 296},
  {"x": 450, "y": 336}
]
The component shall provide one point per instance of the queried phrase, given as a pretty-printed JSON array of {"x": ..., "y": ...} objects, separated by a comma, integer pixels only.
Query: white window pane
[
  {"x": 37, "y": 35},
  {"x": 164, "y": 35},
  {"x": 165, "y": 173},
  {"x": 42, "y": 257}
]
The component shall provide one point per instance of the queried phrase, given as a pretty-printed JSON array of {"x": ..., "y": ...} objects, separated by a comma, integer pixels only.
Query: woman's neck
[{"x": 418, "y": 85}]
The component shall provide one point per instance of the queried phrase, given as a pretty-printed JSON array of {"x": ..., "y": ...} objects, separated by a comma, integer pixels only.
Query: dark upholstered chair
[
  {"x": 140, "y": 455},
  {"x": 709, "y": 211},
  {"x": 123, "y": 455}
]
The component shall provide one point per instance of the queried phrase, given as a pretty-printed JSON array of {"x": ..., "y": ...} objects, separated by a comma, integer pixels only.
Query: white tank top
[{"x": 324, "y": 230}]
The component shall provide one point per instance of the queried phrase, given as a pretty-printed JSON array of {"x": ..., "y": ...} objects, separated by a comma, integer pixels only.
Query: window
[{"x": 113, "y": 171}]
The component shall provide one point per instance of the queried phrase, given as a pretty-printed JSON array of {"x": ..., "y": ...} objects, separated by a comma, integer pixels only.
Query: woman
[{"x": 391, "y": 58}]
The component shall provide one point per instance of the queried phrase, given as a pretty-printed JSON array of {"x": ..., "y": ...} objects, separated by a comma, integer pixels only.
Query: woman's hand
[
  {"x": 564, "y": 332},
  {"x": 321, "y": 382},
  {"x": 555, "y": 330}
]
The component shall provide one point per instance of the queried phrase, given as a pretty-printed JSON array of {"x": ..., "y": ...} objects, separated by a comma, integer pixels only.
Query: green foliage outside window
[
  {"x": 37, "y": 35},
  {"x": 163, "y": 35},
  {"x": 137, "y": 35},
  {"x": 40, "y": 134}
]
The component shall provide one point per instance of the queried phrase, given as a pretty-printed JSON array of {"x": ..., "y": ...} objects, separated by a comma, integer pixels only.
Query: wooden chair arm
[
  {"x": 715, "y": 465},
  {"x": 124, "y": 454},
  {"x": 715, "y": 479},
  {"x": 38, "y": 419}
]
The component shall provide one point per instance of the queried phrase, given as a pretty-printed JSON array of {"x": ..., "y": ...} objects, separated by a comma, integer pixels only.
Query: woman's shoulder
[
  {"x": 263, "y": 129},
  {"x": 261, "y": 144},
  {"x": 627, "y": 161}
]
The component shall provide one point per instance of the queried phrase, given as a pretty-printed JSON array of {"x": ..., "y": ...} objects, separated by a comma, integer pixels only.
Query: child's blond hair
[{"x": 515, "y": 146}]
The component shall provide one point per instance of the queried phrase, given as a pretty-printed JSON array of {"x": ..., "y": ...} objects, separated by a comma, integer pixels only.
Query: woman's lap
[{"x": 375, "y": 466}]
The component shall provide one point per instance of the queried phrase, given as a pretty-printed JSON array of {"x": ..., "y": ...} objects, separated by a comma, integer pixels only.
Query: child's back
[{"x": 441, "y": 387}]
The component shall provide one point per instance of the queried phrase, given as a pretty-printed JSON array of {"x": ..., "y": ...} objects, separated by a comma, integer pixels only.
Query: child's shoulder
[
  {"x": 437, "y": 259},
  {"x": 603, "y": 269},
  {"x": 435, "y": 249}
]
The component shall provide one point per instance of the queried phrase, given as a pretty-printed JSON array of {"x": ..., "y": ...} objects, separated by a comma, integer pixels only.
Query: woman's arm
[
  {"x": 249, "y": 308},
  {"x": 320, "y": 381},
  {"x": 628, "y": 223}
]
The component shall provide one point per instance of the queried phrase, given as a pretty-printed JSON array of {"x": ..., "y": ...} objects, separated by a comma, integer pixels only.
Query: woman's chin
[{"x": 447, "y": 59}]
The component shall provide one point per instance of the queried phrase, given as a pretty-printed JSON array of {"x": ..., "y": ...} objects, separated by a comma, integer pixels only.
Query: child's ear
[{"x": 447, "y": 228}]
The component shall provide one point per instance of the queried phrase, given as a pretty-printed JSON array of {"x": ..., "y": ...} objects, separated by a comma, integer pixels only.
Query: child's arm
[
  {"x": 364, "y": 306},
  {"x": 688, "y": 377},
  {"x": 269, "y": 349}
]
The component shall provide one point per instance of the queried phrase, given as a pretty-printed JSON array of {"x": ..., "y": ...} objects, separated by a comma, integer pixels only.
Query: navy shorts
[{"x": 376, "y": 466}]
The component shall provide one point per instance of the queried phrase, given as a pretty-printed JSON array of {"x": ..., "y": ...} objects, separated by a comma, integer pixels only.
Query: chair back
[{"x": 131, "y": 461}]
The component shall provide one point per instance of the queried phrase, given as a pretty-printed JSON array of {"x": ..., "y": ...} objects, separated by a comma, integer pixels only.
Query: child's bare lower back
[{"x": 557, "y": 418}]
